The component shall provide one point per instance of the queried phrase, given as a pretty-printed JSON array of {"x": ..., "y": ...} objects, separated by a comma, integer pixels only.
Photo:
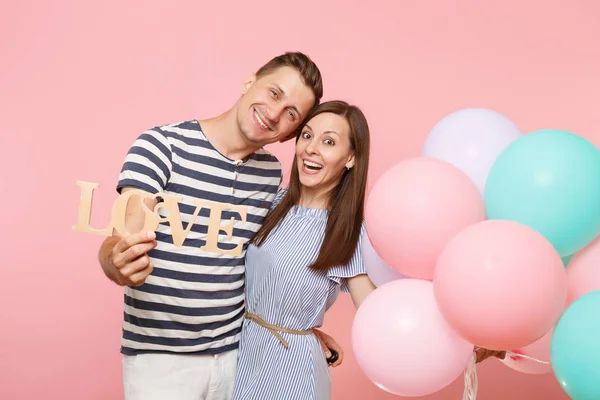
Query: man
[{"x": 184, "y": 294}]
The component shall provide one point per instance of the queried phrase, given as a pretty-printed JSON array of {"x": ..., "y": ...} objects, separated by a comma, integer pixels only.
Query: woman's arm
[{"x": 360, "y": 287}]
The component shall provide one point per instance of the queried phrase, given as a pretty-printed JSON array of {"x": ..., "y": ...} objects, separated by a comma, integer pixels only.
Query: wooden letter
[
  {"x": 119, "y": 212},
  {"x": 174, "y": 217},
  {"x": 153, "y": 218},
  {"x": 214, "y": 227},
  {"x": 85, "y": 210}
]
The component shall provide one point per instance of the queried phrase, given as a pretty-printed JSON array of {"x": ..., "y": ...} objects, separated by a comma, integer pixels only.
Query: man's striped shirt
[{"x": 193, "y": 302}]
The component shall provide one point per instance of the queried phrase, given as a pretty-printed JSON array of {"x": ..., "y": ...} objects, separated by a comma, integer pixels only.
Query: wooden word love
[{"x": 152, "y": 218}]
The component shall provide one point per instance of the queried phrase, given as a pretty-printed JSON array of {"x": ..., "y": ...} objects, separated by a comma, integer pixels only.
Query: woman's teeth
[{"x": 312, "y": 166}]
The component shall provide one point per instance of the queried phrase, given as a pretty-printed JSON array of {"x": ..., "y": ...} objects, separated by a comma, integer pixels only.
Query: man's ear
[{"x": 248, "y": 82}]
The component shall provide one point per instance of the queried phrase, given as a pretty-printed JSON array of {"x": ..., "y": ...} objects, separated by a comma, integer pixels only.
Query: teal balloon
[
  {"x": 548, "y": 180},
  {"x": 566, "y": 260},
  {"x": 575, "y": 348}
]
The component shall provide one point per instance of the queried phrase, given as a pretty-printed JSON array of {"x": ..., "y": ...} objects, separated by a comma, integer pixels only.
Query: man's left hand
[{"x": 327, "y": 342}]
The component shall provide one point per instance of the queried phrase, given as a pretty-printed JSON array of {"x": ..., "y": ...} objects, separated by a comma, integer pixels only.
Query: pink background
[{"x": 79, "y": 81}]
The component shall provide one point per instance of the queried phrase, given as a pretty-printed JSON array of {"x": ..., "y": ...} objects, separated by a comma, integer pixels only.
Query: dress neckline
[{"x": 319, "y": 213}]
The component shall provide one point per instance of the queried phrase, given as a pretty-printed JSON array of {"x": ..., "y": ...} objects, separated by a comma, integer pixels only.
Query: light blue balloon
[
  {"x": 567, "y": 259},
  {"x": 575, "y": 348},
  {"x": 548, "y": 180}
]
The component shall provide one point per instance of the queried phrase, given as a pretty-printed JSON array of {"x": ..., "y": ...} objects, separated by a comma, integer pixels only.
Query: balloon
[
  {"x": 471, "y": 139},
  {"x": 379, "y": 272},
  {"x": 548, "y": 180},
  {"x": 575, "y": 348},
  {"x": 415, "y": 208},
  {"x": 500, "y": 284},
  {"x": 583, "y": 272},
  {"x": 402, "y": 343},
  {"x": 538, "y": 350},
  {"x": 566, "y": 260}
]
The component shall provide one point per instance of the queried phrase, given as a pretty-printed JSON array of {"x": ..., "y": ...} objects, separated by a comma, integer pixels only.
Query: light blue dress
[{"x": 282, "y": 290}]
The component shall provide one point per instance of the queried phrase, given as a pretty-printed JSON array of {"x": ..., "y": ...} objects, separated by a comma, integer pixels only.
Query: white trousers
[{"x": 179, "y": 376}]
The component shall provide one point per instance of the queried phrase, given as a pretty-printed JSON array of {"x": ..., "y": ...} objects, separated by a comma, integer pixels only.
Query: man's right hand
[{"x": 125, "y": 260}]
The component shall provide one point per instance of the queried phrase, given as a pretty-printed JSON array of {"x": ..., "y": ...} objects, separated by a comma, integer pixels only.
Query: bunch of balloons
[{"x": 468, "y": 246}]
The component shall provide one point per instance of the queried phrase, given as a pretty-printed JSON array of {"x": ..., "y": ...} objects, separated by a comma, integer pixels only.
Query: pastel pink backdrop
[{"x": 79, "y": 81}]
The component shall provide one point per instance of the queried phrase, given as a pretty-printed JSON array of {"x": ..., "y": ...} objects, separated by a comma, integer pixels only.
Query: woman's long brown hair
[{"x": 346, "y": 200}]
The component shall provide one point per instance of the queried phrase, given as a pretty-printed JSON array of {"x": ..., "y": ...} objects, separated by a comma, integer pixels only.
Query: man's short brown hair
[{"x": 311, "y": 76}]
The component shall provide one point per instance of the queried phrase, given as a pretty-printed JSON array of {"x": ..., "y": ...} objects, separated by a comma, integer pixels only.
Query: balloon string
[
  {"x": 517, "y": 355},
  {"x": 471, "y": 383}
]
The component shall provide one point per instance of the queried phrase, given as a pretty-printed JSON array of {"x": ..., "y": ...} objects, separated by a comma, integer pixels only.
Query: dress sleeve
[
  {"x": 341, "y": 273},
  {"x": 280, "y": 194}
]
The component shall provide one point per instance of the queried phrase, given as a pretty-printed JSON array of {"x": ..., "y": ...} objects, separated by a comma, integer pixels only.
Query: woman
[{"x": 305, "y": 253}]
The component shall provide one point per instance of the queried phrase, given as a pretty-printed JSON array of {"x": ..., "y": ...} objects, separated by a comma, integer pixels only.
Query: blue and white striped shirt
[{"x": 193, "y": 302}]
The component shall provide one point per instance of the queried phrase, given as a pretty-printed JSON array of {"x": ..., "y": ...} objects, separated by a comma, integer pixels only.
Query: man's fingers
[
  {"x": 339, "y": 360},
  {"x": 329, "y": 345},
  {"x": 139, "y": 278},
  {"x": 131, "y": 240},
  {"x": 133, "y": 253},
  {"x": 336, "y": 347},
  {"x": 135, "y": 266},
  {"x": 323, "y": 344}
]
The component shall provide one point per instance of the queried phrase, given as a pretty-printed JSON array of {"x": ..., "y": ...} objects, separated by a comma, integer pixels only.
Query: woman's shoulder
[{"x": 278, "y": 197}]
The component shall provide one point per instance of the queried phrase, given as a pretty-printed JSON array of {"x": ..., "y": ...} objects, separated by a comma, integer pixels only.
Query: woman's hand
[{"x": 483, "y": 354}]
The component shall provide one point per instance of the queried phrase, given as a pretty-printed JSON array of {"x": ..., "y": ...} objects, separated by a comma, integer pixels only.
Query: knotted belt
[{"x": 274, "y": 329}]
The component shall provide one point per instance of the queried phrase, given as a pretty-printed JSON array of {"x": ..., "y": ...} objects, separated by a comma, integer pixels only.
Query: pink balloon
[
  {"x": 415, "y": 208},
  {"x": 539, "y": 351},
  {"x": 379, "y": 272},
  {"x": 402, "y": 343},
  {"x": 583, "y": 271},
  {"x": 500, "y": 284}
]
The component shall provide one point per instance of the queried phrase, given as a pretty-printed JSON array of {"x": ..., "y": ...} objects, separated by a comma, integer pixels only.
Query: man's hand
[
  {"x": 125, "y": 260},
  {"x": 483, "y": 354},
  {"x": 327, "y": 342}
]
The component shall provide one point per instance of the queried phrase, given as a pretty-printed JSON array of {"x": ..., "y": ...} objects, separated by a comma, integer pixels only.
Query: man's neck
[{"x": 223, "y": 134}]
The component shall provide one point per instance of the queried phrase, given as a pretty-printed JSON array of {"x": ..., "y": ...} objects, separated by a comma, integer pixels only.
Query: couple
[{"x": 190, "y": 331}]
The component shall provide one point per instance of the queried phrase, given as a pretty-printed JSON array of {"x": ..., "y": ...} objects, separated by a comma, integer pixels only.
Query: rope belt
[{"x": 274, "y": 329}]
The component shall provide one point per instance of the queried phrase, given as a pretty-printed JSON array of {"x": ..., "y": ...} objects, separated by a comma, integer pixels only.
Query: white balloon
[{"x": 471, "y": 139}]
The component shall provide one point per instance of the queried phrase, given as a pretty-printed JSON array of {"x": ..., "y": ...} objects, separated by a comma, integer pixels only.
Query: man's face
[{"x": 271, "y": 108}]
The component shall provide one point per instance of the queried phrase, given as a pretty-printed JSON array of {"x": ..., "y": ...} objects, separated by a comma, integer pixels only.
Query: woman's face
[{"x": 323, "y": 151}]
